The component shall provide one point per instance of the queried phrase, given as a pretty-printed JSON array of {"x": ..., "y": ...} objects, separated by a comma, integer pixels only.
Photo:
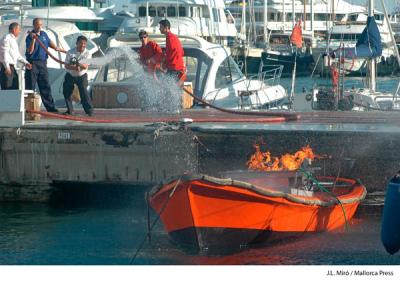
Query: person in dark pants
[
  {"x": 77, "y": 75},
  {"x": 37, "y": 56},
  {"x": 10, "y": 57}
]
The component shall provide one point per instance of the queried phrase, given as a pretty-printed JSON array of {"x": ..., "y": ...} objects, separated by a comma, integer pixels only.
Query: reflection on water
[{"x": 93, "y": 231}]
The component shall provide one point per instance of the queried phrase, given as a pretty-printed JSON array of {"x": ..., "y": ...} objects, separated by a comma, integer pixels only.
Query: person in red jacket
[
  {"x": 150, "y": 53},
  {"x": 334, "y": 76},
  {"x": 173, "y": 53}
]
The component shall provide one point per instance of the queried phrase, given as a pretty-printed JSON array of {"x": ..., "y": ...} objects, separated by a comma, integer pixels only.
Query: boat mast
[
  {"x": 284, "y": 15},
  {"x": 312, "y": 19},
  {"x": 293, "y": 16},
  {"x": 372, "y": 62},
  {"x": 304, "y": 14},
  {"x": 266, "y": 21},
  {"x": 147, "y": 15}
]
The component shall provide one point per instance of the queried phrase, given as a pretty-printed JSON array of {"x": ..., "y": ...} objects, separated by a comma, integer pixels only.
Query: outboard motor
[{"x": 390, "y": 230}]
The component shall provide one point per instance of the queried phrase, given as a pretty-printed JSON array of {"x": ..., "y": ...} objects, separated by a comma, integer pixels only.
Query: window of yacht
[
  {"x": 378, "y": 17},
  {"x": 171, "y": 12},
  {"x": 259, "y": 16},
  {"x": 152, "y": 11},
  {"x": 352, "y": 17},
  {"x": 44, "y": 3},
  {"x": 206, "y": 12},
  {"x": 198, "y": 66},
  {"x": 339, "y": 17},
  {"x": 191, "y": 69},
  {"x": 345, "y": 37},
  {"x": 195, "y": 12},
  {"x": 216, "y": 16},
  {"x": 320, "y": 17},
  {"x": 182, "y": 11},
  {"x": 227, "y": 72},
  {"x": 161, "y": 12},
  {"x": 142, "y": 11}
]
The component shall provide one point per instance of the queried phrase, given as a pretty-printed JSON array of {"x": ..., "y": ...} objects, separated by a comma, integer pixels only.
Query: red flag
[{"x": 297, "y": 35}]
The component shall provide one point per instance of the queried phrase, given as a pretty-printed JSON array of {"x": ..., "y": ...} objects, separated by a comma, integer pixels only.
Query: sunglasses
[{"x": 142, "y": 37}]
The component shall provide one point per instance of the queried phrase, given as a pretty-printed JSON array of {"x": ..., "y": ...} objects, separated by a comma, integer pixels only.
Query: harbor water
[{"x": 109, "y": 226}]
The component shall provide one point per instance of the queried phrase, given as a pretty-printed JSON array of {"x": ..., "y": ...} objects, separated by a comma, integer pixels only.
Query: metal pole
[
  {"x": 265, "y": 21},
  {"x": 372, "y": 62}
]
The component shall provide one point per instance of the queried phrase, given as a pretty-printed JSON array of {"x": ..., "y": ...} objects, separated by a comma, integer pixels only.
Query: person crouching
[{"x": 77, "y": 75}]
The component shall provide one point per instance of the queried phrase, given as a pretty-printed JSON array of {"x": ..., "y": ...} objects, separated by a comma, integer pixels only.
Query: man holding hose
[{"x": 36, "y": 54}]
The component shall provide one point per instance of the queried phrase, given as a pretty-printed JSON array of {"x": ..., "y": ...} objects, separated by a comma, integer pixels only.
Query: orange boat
[{"x": 214, "y": 213}]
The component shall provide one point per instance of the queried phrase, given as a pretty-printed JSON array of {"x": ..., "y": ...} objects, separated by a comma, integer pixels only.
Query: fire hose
[{"x": 288, "y": 116}]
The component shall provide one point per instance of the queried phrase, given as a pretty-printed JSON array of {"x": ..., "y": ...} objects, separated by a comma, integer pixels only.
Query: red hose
[
  {"x": 288, "y": 116},
  {"x": 140, "y": 119}
]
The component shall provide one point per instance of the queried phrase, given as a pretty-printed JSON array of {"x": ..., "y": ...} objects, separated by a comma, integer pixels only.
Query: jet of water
[{"x": 161, "y": 94}]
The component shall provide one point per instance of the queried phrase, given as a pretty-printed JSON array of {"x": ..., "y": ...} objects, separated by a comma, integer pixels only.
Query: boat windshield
[
  {"x": 118, "y": 70},
  {"x": 228, "y": 72}
]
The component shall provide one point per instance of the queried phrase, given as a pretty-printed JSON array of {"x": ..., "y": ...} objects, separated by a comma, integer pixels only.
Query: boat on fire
[{"x": 209, "y": 213}]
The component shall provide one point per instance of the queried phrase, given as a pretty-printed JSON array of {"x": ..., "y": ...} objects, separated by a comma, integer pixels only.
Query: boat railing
[{"x": 270, "y": 74}]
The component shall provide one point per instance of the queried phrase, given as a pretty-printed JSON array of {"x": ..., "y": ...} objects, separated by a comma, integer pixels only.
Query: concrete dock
[{"x": 140, "y": 148}]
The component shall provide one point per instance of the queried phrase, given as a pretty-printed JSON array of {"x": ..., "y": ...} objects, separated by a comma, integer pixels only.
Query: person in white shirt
[
  {"x": 77, "y": 75},
  {"x": 9, "y": 57}
]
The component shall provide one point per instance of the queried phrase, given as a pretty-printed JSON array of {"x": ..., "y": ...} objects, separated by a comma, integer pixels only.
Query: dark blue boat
[{"x": 282, "y": 52}]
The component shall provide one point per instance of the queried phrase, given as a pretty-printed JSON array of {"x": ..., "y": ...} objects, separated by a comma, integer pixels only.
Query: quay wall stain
[{"x": 40, "y": 157}]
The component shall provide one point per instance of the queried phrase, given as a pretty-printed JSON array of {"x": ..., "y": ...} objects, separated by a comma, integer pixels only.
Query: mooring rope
[{"x": 150, "y": 228}]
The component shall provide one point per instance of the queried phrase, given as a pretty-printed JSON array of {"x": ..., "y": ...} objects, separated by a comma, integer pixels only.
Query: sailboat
[
  {"x": 369, "y": 46},
  {"x": 286, "y": 49}
]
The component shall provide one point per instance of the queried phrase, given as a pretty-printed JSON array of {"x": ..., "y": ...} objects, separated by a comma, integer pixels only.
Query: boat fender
[{"x": 390, "y": 229}]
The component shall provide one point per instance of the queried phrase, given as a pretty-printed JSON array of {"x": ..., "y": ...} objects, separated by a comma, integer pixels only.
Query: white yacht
[
  {"x": 203, "y": 18},
  {"x": 211, "y": 71},
  {"x": 92, "y": 19}
]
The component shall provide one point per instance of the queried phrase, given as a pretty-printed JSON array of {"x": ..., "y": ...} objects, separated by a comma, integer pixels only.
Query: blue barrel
[{"x": 390, "y": 231}]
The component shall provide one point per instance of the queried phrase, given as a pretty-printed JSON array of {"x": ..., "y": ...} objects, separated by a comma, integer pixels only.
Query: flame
[{"x": 262, "y": 161}]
